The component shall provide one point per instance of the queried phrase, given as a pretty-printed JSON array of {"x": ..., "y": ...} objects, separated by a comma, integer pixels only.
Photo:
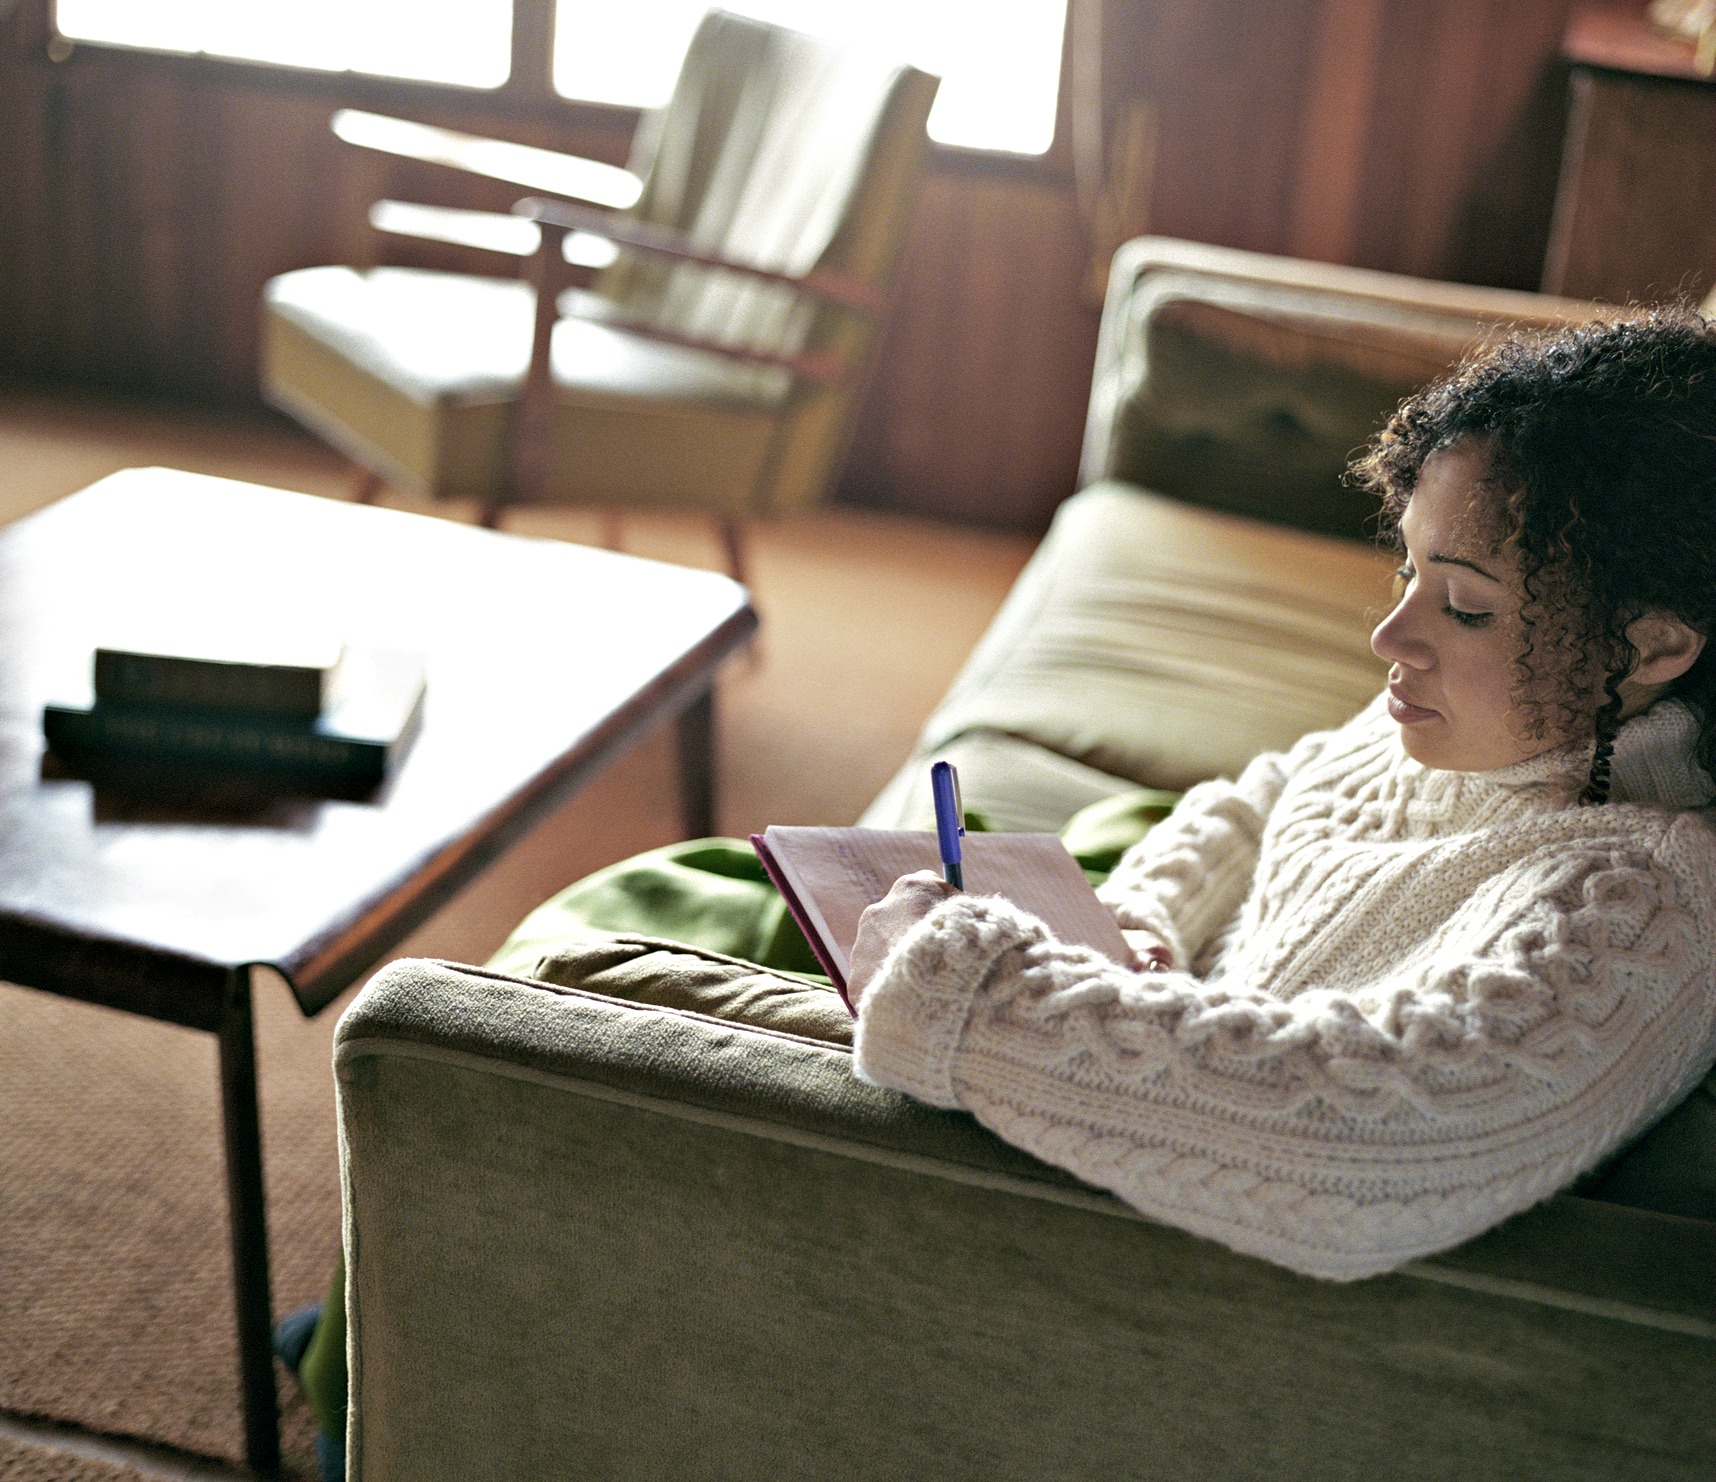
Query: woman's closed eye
[{"x": 1408, "y": 574}]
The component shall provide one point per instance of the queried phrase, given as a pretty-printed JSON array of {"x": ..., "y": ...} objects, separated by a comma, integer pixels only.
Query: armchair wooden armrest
[
  {"x": 816, "y": 366},
  {"x": 837, "y": 288},
  {"x": 511, "y": 237},
  {"x": 548, "y": 170},
  {"x": 503, "y": 237}
]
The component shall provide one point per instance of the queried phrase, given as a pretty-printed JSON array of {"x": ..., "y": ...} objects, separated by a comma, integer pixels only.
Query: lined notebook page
[{"x": 837, "y": 872}]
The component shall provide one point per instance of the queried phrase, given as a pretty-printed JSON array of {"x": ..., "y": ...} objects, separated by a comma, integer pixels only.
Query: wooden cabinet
[{"x": 1635, "y": 209}]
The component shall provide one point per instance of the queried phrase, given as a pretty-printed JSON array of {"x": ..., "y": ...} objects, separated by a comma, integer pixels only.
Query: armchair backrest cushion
[{"x": 779, "y": 149}]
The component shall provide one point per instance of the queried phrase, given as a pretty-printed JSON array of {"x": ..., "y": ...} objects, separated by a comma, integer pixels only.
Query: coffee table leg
[
  {"x": 247, "y": 1215},
  {"x": 697, "y": 765}
]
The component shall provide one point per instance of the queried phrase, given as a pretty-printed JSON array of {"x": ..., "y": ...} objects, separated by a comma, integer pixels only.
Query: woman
[{"x": 1420, "y": 972}]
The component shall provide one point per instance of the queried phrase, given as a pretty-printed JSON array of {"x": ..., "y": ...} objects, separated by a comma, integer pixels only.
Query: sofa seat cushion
[{"x": 1162, "y": 644}]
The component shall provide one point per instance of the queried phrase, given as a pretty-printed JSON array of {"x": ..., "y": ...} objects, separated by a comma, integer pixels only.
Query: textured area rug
[
  {"x": 115, "y": 1294},
  {"x": 20, "y": 1463},
  {"x": 115, "y": 1297}
]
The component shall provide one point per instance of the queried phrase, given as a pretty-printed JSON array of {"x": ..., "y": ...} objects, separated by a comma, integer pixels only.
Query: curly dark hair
[{"x": 1601, "y": 440}]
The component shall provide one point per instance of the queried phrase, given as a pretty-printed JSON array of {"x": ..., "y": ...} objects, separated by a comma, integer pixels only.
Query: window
[
  {"x": 466, "y": 42},
  {"x": 999, "y": 63}
]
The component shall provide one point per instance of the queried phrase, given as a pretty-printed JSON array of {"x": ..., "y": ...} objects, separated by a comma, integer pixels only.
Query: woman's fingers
[{"x": 911, "y": 898}]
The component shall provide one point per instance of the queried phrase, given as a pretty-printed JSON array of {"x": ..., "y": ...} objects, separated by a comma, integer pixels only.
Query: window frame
[{"x": 527, "y": 94}]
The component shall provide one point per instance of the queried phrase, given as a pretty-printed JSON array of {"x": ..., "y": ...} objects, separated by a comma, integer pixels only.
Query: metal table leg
[
  {"x": 248, "y": 1218},
  {"x": 697, "y": 765}
]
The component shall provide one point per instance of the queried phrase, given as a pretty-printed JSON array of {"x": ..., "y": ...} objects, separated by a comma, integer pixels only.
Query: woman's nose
[{"x": 1395, "y": 639}]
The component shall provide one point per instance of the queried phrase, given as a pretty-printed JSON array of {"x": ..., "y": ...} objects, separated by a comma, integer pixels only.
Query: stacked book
[{"x": 307, "y": 712}]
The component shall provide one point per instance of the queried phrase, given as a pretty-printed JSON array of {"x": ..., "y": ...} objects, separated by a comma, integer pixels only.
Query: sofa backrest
[{"x": 1247, "y": 383}]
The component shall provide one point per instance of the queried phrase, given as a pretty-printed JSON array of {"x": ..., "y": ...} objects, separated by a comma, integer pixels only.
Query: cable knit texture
[{"x": 1406, "y": 1004}]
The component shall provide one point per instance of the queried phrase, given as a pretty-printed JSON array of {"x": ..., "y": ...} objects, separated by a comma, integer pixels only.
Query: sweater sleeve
[
  {"x": 1186, "y": 879},
  {"x": 1337, "y": 1133}
]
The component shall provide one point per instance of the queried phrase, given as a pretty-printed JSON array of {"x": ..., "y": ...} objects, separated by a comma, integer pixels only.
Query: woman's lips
[{"x": 1405, "y": 712}]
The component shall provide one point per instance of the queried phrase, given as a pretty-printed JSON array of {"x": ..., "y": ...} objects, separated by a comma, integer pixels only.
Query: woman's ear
[{"x": 1666, "y": 647}]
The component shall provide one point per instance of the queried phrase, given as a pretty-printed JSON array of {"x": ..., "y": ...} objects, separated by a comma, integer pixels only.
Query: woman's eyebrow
[{"x": 1462, "y": 561}]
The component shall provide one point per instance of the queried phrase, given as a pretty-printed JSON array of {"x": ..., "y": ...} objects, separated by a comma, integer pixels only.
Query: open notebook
[{"x": 829, "y": 875}]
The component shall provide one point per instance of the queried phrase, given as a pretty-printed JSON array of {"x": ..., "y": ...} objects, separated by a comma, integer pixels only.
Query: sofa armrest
[
  {"x": 640, "y": 1240},
  {"x": 1245, "y": 382}
]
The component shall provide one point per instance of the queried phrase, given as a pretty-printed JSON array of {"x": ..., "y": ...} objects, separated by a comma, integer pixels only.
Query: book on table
[
  {"x": 368, "y": 719},
  {"x": 827, "y": 876},
  {"x": 254, "y": 667}
]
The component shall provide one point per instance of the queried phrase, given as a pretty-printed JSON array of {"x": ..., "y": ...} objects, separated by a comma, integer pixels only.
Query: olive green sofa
[{"x": 594, "y": 1231}]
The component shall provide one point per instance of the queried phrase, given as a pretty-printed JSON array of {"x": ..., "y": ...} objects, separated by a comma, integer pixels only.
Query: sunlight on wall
[{"x": 999, "y": 60}]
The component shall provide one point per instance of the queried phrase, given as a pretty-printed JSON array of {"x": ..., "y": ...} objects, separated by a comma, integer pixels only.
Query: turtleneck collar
[{"x": 1653, "y": 762}]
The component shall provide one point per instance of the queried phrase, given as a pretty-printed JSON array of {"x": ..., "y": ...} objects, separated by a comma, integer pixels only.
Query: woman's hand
[
  {"x": 1150, "y": 954},
  {"x": 911, "y": 898}
]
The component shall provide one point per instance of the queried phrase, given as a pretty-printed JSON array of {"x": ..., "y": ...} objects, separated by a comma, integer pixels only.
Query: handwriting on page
[{"x": 863, "y": 869}]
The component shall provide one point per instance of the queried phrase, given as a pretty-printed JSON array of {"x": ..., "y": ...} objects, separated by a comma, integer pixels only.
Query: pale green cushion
[
  {"x": 1018, "y": 785},
  {"x": 1258, "y": 411},
  {"x": 1245, "y": 383},
  {"x": 1128, "y": 648}
]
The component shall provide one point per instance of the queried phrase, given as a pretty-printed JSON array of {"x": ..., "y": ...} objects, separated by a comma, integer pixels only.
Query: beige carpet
[
  {"x": 114, "y": 1303},
  {"x": 22, "y": 1463}
]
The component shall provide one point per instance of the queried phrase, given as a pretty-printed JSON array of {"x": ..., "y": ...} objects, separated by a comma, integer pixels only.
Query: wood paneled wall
[{"x": 145, "y": 200}]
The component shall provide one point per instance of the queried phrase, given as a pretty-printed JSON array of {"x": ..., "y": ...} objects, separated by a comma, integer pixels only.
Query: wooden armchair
[{"x": 714, "y": 360}]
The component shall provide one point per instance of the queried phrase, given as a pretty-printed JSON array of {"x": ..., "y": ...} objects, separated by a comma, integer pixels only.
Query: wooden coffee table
[{"x": 545, "y": 661}]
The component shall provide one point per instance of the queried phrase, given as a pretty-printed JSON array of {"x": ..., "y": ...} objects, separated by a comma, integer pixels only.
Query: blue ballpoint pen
[{"x": 949, "y": 821}]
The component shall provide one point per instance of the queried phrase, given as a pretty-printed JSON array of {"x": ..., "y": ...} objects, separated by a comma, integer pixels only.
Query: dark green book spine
[
  {"x": 171, "y": 679},
  {"x": 236, "y": 742}
]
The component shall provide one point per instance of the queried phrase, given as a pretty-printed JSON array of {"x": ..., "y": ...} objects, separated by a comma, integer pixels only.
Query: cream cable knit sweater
[{"x": 1413, "y": 1002}]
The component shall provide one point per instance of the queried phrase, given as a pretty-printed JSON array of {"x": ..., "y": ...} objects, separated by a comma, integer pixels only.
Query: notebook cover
[{"x": 817, "y": 946}]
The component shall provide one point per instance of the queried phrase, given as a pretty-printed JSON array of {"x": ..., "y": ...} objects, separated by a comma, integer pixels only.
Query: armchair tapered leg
[
  {"x": 613, "y": 530},
  {"x": 491, "y": 514},
  {"x": 367, "y": 485}
]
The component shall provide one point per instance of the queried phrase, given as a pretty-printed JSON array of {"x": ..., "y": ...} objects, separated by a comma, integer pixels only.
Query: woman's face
[{"x": 1452, "y": 640}]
